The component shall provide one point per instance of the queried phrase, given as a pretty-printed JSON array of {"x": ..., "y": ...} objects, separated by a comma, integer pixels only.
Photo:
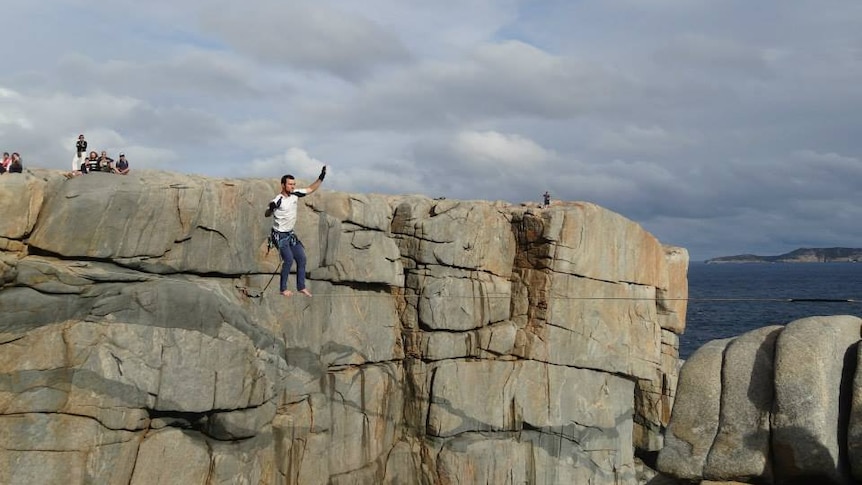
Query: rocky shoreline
[{"x": 801, "y": 255}]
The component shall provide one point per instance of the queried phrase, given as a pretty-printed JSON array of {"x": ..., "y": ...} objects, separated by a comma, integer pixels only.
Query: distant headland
[{"x": 801, "y": 255}]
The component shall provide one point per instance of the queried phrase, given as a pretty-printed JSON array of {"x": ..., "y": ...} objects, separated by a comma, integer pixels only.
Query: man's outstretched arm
[{"x": 311, "y": 188}]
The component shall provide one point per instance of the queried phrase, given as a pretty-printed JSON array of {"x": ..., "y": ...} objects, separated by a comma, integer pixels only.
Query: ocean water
[{"x": 726, "y": 300}]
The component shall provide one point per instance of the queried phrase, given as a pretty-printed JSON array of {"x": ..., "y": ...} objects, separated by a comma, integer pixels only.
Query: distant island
[{"x": 801, "y": 255}]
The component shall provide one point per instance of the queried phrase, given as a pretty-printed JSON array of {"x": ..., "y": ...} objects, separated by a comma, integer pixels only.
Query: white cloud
[
  {"x": 698, "y": 51},
  {"x": 492, "y": 81},
  {"x": 295, "y": 160},
  {"x": 492, "y": 149},
  {"x": 309, "y": 35},
  {"x": 634, "y": 139},
  {"x": 830, "y": 158}
]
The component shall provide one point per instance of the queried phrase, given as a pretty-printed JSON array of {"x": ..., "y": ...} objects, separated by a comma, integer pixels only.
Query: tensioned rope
[{"x": 621, "y": 298}]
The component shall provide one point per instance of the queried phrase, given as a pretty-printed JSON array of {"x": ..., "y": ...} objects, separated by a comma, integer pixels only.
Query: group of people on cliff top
[
  {"x": 94, "y": 162},
  {"x": 11, "y": 163}
]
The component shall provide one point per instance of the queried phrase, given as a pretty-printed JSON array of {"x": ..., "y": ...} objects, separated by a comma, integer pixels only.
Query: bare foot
[
  {"x": 287, "y": 293},
  {"x": 305, "y": 292}
]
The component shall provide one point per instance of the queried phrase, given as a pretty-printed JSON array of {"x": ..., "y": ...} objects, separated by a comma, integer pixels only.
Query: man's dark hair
[{"x": 286, "y": 178}]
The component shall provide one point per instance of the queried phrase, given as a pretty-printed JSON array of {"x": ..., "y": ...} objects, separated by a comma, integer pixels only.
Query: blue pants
[{"x": 288, "y": 253}]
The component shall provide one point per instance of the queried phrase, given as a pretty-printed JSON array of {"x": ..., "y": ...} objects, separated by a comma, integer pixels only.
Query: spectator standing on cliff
[
  {"x": 546, "y": 199},
  {"x": 80, "y": 150},
  {"x": 122, "y": 165},
  {"x": 283, "y": 208},
  {"x": 4, "y": 165}
]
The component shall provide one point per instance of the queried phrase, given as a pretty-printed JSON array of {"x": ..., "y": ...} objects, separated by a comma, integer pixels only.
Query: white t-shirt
[{"x": 284, "y": 217}]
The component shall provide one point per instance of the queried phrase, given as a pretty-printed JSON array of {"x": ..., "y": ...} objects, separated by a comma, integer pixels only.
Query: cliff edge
[{"x": 447, "y": 342}]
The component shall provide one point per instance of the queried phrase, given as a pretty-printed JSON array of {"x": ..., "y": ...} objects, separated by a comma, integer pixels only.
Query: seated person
[
  {"x": 77, "y": 168},
  {"x": 91, "y": 164},
  {"x": 106, "y": 162},
  {"x": 17, "y": 166},
  {"x": 122, "y": 166},
  {"x": 4, "y": 165}
]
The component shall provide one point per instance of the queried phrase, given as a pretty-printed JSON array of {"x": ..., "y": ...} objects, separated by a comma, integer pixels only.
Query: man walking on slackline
[{"x": 283, "y": 207}]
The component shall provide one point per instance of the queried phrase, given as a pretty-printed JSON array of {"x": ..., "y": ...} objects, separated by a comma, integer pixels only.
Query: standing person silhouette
[
  {"x": 283, "y": 208},
  {"x": 546, "y": 199},
  {"x": 80, "y": 150}
]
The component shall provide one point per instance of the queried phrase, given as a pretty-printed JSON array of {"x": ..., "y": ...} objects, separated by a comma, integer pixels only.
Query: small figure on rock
[
  {"x": 122, "y": 166},
  {"x": 80, "y": 151},
  {"x": 106, "y": 162},
  {"x": 91, "y": 164},
  {"x": 4, "y": 165},
  {"x": 546, "y": 199},
  {"x": 16, "y": 166}
]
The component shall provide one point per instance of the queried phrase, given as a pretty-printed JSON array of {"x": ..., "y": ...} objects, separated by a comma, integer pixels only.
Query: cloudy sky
[{"x": 725, "y": 127}]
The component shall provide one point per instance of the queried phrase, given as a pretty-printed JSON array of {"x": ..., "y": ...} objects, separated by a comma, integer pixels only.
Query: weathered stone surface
[
  {"x": 530, "y": 458},
  {"x": 500, "y": 396},
  {"x": 366, "y": 408},
  {"x": 854, "y": 425},
  {"x": 443, "y": 233},
  {"x": 239, "y": 424},
  {"x": 159, "y": 222},
  {"x": 447, "y": 340},
  {"x": 807, "y": 429},
  {"x": 25, "y": 194},
  {"x": 695, "y": 417},
  {"x": 172, "y": 455},
  {"x": 461, "y": 300},
  {"x": 613, "y": 249},
  {"x": 741, "y": 448},
  {"x": 346, "y": 257},
  {"x": 787, "y": 409},
  {"x": 673, "y": 296},
  {"x": 60, "y": 448}
]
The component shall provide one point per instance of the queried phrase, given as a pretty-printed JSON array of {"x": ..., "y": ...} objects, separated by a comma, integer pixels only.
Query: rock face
[
  {"x": 775, "y": 405},
  {"x": 142, "y": 339}
]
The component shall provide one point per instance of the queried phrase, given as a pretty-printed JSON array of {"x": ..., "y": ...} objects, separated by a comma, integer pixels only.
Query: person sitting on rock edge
[
  {"x": 91, "y": 164},
  {"x": 79, "y": 167},
  {"x": 4, "y": 165},
  {"x": 283, "y": 208},
  {"x": 106, "y": 162},
  {"x": 122, "y": 165},
  {"x": 17, "y": 166}
]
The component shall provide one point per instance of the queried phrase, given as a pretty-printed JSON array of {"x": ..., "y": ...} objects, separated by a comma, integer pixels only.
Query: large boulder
[
  {"x": 694, "y": 422},
  {"x": 741, "y": 448},
  {"x": 809, "y": 418},
  {"x": 786, "y": 409}
]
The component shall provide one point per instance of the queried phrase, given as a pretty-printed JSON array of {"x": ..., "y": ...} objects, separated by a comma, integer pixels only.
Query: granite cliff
[{"x": 447, "y": 342}]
